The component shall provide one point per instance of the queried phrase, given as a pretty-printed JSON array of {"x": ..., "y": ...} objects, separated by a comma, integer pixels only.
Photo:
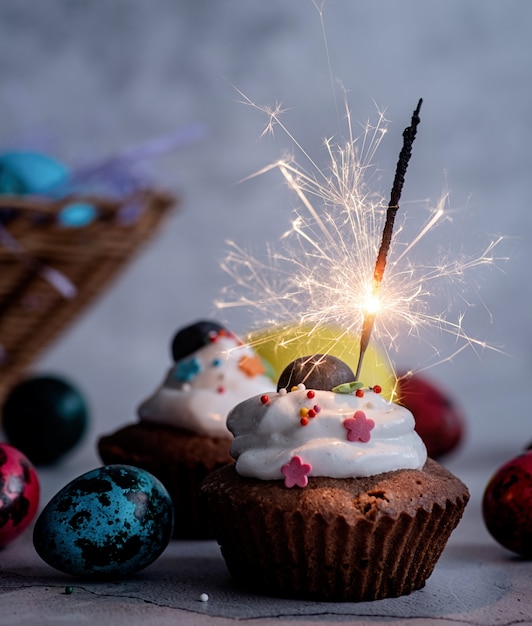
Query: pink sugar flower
[
  {"x": 358, "y": 427},
  {"x": 295, "y": 472}
]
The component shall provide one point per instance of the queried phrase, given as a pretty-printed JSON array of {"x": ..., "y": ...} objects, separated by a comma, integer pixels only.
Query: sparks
[{"x": 321, "y": 271}]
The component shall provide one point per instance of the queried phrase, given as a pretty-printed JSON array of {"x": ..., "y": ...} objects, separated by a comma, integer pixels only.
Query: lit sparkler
[
  {"x": 323, "y": 272},
  {"x": 409, "y": 135}
]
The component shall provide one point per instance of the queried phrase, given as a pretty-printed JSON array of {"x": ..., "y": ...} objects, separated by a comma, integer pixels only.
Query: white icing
[
  {"x": 200, "y": 390},
  {"x": 268, "y": 436}
]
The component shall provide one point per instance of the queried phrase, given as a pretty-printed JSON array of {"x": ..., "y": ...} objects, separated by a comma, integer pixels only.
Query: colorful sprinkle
[
  {"x": 251, "y": 365},
  {"x": 377, "y": 388},
  {"x": 311, "y": 413},
  {"x": 265, "y": 399},
  {"x": 187, "y": 370},
  {"x": 358, "y": 427},
  {"x": 214, "y": 335},
  {"x": 303, "y": 412},
  {"x": 295, "y": 472},
  {"x": 310, "y": 394},
  {"x": 359, "y": 393},
  {"x": 221, "y": 389},
  {"x": 303, "y": 421},
  {"x": 317, "y": 408},
  {"x": 217, "y": 362}
]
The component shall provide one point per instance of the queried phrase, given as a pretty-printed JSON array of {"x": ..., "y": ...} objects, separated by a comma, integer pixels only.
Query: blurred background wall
[{"x": 83, "y": 80}]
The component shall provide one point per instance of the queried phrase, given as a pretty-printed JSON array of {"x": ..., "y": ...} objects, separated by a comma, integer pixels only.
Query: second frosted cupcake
[{"x": 181, "y": 435}]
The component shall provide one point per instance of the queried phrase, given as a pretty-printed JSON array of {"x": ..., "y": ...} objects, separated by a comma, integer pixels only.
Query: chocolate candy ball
[
  {"x": 44, "y": 417},
  {"x": 193, "y": 337},
  {"x": 439, "y": 421},
  {"x": 507, "y": 505},
  {"x": 318, "y": 371}
]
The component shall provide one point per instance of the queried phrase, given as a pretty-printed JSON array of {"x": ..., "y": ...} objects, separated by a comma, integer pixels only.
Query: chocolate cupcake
[
  {"x": 181, "y": 435},
  {"x": 332, "y": 496}
]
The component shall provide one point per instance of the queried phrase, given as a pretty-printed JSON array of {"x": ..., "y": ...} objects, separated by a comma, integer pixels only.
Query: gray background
[{"x": 86, "y": 80}]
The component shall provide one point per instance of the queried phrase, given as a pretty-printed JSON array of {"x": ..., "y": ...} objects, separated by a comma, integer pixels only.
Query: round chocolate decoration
[
  {"x": 318, "y": 371},
  {"x": 191, "y": 338}
]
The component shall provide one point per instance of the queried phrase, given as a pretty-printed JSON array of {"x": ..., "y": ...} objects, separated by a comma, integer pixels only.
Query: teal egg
[
  {"x": 108, "y": 523},
  {"x": 44, "y": 417},
  {"x": 29, "y": 173}
]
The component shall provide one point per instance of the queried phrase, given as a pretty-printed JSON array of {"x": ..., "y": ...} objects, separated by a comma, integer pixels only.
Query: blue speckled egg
[{"x": 107, "y": 523}]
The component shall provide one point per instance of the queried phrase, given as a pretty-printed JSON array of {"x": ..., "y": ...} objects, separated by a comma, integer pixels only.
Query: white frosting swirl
[
  {"x": 200, "y": 390},
  {"x": 269, "y": 435}
]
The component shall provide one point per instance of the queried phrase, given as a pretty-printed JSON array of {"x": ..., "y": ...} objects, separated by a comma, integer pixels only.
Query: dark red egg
[
  {"x": 439, "y": 421},
  {"x": 19, "y": 493},
  {"x": 507, "y": 505}
]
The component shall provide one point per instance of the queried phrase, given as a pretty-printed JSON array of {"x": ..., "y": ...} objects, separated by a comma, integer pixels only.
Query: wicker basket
[{"x": 49, "y": 272}]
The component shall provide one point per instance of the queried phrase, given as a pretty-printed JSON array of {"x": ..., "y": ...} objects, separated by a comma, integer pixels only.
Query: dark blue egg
[{"x": 107, "y": 523}]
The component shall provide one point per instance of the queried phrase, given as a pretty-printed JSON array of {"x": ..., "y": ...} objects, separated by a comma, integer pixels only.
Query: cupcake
[
  {"x": 181, "y": 433},
  {"x": 332, "y": 496}
]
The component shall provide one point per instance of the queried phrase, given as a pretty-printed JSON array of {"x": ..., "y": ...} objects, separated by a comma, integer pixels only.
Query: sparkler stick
[{"x": 409, "y": 134}]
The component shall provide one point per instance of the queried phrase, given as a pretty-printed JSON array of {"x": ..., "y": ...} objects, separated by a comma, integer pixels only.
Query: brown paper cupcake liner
[
  {"x": 179, "y": 459},
  {"x": 300, "y": 543}
]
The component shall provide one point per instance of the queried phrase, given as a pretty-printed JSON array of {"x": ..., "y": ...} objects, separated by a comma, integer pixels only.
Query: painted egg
[
  {"x": 281, "y": 346},
  {"x": 44, "y": 417},
  {"x": 107, "y": 523},
  {"x": 439, "y": 421},
  {"x": 19, "y": 493},
  {"x": 29, "y": 172},
  {"x": 76, "y": 215},
  {"x": 507, "y": 505}
]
